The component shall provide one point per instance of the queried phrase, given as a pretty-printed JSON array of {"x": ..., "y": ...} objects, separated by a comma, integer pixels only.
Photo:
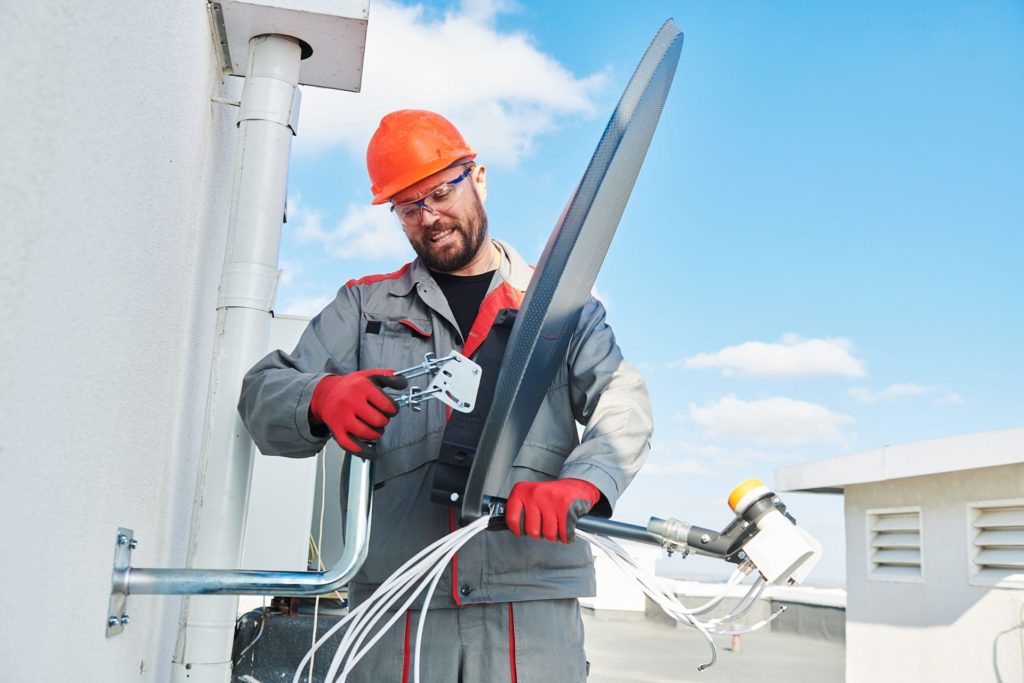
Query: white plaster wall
[
  {"x": 115, "y": 178},
  {"x": 942, "y": 629}
]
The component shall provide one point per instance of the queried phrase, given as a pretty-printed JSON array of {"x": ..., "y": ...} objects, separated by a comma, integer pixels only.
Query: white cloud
[
  {"x": 368, "y": 232},
  {"x": 601, "y": 296},
  {"x": 729, "y": 457},
  {"x": 950, "y": 398},
  {"x": 790, "y": 357},
  {"x": 942, "y": 396},
  {"x": 289, "y": 270},
  {"x": 304, "y": 305},
  {"x": 775, "y": 421},
  {"x": 498, "y": 88},
  {"x": 689, "y": 467},
  {"x": 305, "y": 223},
  {"x": 643, "y": 367},
  {"x": 682, "y": 458},
  {"x": 365, "y": 232},
  {"x": 702, "y": 449}
]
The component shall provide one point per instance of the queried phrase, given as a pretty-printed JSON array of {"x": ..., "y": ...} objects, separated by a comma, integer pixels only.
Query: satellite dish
[{"x": 568, "y": 268}]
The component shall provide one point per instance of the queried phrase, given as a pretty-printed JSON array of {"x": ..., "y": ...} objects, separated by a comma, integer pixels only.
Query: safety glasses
[{"x": 442, "y": 197}]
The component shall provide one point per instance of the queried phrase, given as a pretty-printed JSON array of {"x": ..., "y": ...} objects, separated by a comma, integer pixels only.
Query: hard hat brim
[{"x": 414, "y": 176}]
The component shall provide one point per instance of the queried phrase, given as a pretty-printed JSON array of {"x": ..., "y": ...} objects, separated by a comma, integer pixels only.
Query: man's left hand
[{"x": 549, "y": 509}]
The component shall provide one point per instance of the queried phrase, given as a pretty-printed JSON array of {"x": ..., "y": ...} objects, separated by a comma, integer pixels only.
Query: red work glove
[
  {"x": 549, "y": 508},
  {"x": 354, "y": 408}
]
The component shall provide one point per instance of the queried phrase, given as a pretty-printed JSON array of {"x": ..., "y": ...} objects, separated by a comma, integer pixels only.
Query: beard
[{"x": 469, "y": 236}]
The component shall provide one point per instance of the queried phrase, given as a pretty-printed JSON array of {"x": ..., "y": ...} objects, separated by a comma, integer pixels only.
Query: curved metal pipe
[{"x": 149, "y": 581}]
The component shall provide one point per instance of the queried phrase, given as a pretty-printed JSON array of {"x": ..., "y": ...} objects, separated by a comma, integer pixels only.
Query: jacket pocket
[
  {"x": 553, "y": 434},
  {"x": 396, "y": 342}
]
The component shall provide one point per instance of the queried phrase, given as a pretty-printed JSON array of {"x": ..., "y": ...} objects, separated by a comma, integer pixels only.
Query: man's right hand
[{"x": 354, "y": 408}]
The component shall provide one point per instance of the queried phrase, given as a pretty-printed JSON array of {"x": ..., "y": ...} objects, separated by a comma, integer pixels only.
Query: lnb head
[{"x": 782, "y": 551}]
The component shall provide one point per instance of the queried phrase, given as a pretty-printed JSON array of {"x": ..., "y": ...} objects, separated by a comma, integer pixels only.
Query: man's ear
[{"x": 479, "y": 178}]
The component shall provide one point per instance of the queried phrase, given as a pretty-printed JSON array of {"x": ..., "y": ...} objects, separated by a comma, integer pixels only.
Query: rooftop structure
[{"x": 935, "y": 556}]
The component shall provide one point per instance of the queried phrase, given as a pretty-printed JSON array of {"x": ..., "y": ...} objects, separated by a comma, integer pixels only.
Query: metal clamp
[
  {"x": 454, "y": 381},
  {"x": 270, "y": 99},
  {"x": 117, "y": 616}
]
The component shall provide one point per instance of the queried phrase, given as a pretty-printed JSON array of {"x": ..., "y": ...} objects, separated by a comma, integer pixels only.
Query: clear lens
[
  {"x": 408, "y": 213},
  {"x": 440, "y": 198}
]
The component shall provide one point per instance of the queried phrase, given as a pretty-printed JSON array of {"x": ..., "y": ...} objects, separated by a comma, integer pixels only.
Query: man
[{"x": 511, "y": 611}]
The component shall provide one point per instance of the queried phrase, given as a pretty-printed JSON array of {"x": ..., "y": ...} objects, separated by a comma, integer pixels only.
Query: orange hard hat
[{"x": 408, "y": 146}]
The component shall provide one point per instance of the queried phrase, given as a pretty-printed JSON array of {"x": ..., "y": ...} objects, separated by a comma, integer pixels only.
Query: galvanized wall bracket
[{"x": 117, "y": 615}]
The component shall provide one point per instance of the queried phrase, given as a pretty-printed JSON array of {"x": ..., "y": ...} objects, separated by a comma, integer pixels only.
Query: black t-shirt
[{"x": 465, "y": 294}]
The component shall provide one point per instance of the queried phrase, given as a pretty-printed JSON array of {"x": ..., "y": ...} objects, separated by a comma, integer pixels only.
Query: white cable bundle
[
  {"x": 670, "y": 604},
  {"x": 425, "y": 568}
]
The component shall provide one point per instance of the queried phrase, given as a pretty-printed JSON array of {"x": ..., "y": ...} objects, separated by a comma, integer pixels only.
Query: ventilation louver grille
[
  {"x": 894, "y": 545},
  {"x": 997, "y": 543}
]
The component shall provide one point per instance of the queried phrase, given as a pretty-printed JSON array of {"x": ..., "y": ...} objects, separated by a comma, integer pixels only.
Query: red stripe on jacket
[
  {"x": 511, "y": 643},
  {"x": 405, "y": 648},
  {"x": 370, "y": 279},
  {"x": 502, "y": 296},
  {"x": 455, "y": 561},
  {"x": 412, "y": 326}
]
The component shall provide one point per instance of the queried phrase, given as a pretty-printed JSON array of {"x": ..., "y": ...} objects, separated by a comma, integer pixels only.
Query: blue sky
[{"x": 822, "y": 254}]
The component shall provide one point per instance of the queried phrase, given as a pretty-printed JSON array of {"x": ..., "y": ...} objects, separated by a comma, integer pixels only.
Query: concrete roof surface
[{"x": 635, "y": 651}]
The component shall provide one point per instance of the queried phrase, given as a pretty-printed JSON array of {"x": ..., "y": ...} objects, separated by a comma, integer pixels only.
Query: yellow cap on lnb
[{"x": 743, "y": 489}]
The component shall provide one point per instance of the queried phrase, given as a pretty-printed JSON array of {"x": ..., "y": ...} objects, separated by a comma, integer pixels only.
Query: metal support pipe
[
  {"x": 141, "y": 581},
  {"x": 265, "y": 128},
  {"x": 628, "y": 532}
]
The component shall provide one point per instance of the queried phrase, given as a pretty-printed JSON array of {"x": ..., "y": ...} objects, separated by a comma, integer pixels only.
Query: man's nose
[
  {"x": 425, "y": 218},
  {"x": 430, "y": 218}
]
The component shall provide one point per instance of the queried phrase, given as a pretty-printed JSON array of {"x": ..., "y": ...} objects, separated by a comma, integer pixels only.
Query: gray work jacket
[{"x": 391, "y": 321}]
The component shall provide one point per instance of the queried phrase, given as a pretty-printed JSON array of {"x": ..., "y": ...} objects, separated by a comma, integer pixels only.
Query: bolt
[
  {"x": 742, "y": 555},
  {"x": 775, "y": 499},
  {"x": 476, "y": 371},
  {"x": 111, "y": 620},
  {"x": 133, "y": 544},
  {"x": 121, "y": 539},
  {"x": 124, "y": 620},
  {"x": 454, "y": 497},
  {"x": 705, "y": 538}
]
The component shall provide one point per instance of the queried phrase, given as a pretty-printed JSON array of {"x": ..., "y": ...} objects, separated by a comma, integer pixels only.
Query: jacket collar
[{"x": 511, "y": 269}]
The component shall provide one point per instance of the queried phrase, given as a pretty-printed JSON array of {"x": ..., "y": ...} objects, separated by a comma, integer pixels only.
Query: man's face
[{"x": 448, "y": 239}]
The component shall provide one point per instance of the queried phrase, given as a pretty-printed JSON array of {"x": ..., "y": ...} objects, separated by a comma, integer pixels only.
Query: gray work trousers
[{"x": 538, "y": 641}]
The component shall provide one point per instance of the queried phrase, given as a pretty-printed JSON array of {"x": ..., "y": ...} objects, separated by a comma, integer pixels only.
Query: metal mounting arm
[{"x": 127, "y": 580}]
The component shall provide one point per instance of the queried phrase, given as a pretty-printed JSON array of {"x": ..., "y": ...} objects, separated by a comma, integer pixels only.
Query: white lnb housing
[{"x": 782, "y": 551}]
